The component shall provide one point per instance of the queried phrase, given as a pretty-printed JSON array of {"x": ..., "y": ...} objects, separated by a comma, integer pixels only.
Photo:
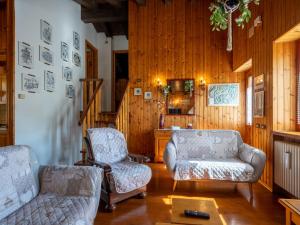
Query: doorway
[
  {"x": 119, "y": 77},
  {"x": 91, "y": 56}
]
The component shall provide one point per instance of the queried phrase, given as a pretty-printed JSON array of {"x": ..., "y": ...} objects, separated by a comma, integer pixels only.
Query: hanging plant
[{"x": 221, "y": 15}]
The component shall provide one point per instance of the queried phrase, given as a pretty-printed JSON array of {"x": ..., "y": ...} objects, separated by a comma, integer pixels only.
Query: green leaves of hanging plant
[
  {"x": 219, "y": 15},
  {"x": 218, "y": 18}
]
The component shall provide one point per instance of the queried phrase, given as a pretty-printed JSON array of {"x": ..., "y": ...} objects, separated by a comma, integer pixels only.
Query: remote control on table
[{"x": 196, "y": 214}]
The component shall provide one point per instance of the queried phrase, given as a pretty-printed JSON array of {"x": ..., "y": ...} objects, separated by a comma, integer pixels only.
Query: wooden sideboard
[{"x": 162, "y": 137}]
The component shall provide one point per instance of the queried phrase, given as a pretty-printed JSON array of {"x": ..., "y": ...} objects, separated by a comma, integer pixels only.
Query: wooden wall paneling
[
  {"x": 260, "y": 49},
  {"x": 175, "y": 41}
]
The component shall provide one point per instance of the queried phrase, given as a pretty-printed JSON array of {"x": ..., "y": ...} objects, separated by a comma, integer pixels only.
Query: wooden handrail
[
  {"x": 122, "y": 100},
  {"x": 91, "y": 100}
]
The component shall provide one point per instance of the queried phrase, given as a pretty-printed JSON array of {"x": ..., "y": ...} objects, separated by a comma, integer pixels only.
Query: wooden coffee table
[
  {"x": 292, "y": 210},
  {"x": 205, "y": 205}
]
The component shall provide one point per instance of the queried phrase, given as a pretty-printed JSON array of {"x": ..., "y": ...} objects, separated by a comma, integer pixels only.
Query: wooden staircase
[{"x": 92, "y": 115}]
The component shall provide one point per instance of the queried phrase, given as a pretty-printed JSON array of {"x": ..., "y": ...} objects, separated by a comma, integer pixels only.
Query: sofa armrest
[
  {"x": 170, "y": 156},
  {"x": 138, "y": 158},
  {"x": 255, "y": 157},
  {"x": 71, "y": 180},
  {"x": 106, "y": 167}
]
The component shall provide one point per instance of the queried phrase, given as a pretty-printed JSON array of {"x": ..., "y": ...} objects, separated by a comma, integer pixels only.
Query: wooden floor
[{"x": 234, "y": 206}]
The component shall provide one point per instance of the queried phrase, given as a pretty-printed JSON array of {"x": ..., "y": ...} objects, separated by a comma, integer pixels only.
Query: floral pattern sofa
[
  {"x": 213, "y": 155},
  {"x": 67, "y": 194}
]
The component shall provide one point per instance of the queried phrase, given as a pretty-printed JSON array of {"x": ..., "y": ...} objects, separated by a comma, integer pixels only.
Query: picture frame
[
  {"x": 46, "y": 32},
  {"x": 148, "y": 95},
  {"x": 46, "y": 56},
  {"x": 76, "y": 59},
  {"x": 223, "y": 94},
  {"x": 70, "y": 91},
  {"x": 65, "y": 55},
  {"x": 49, "y": 81},
  {"x": 30, "y": 83},
  {"x": 259, "y": 83},
  {"x": 67, "y": 73},
  {"x": 259, "y": 102},
  {"x": 76, "y": 40},
  {"x": 137, "y": 91},
  {"x": 25, "y": 55}
]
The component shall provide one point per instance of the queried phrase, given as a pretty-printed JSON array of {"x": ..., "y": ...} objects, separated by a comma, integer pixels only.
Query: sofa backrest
[
  {"x": 18, "y": 184},
  {"x": 108, "y": 145},
  {"x": 206, "y": 144}
]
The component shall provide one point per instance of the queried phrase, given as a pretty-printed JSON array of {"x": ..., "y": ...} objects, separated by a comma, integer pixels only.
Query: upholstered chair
[{"x": 124, "y": 175}]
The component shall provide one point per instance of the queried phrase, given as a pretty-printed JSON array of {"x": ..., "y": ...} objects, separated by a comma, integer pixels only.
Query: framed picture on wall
[
  {"x": 76, "y": 40},
  {"x": 70, "y": 91},
  {"x": 76, "y": 59},
  {"x": 49, "y": 81},
  {"x": 30, "y": 83},
  {"x": 67, "y": 73},
  {"x": 148, "y": 95},
  {"x": 65, "y": 55},
  {"x": 46, "y": 32},
  {"x": 223, "y": 94},
  {"x": 46, "y": 56},
  {"x": 259, "y": 101},
  {"x": 137, "y": 91},
  {"x": 25, "y": 55}
]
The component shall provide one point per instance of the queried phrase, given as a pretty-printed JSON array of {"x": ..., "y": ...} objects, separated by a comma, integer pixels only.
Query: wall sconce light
[
  {"x": 158, "y": 84},
  {"x": 202, "y": 85}
]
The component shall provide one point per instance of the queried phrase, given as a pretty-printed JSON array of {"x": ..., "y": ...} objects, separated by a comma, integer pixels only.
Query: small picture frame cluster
[{"x": 70, "y": 91}]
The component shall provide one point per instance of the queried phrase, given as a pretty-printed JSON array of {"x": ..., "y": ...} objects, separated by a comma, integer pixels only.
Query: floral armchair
[{"x": 124, "y": 175}]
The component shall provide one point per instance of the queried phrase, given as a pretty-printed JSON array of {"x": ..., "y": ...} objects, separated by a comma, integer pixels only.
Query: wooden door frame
[
  {"x": 113, "y": 78},
  {"x": 95, "y": 51},
  {"x": 9, "y": 134}
]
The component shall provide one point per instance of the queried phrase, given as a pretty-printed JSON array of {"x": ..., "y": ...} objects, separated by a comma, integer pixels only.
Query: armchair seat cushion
[
  {"x": 51, "y": 209},
  {"x": 229, "y": 169},
  {"x": 127, "y": 176}
]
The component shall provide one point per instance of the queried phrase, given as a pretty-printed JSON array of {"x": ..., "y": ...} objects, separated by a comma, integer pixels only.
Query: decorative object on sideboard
[
  {"x": 67, "y": 73},
  {"x": 30, "y": 83},
  {"x": 46, "y": 56},
  {"x": 46, "y": 32},
  {"x": 76, "y": 40},
  {"x": 161, "y": 121},
  {"x": 226, "y": 94},
  {"x": 25, "y": 55},
  {"x": 76, "y": 59},
  {"x": 189, "y": 126},
  {"x": 49, "y": 81},
  {"x": 221, "y": 15},
  {"x": 148, "y": 95},
  {"x": 137, "y": 91},
  {"x": 65, "y": 55},
  {"x": 70, "y": 91}
]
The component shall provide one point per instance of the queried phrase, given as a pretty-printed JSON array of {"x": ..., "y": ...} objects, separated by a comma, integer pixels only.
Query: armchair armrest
[
  {"x": 255, "y": 157},
  {"x": 106, "y": 167},
  {"x": 139, "y": 158},
  {"x": 71, "y": 180},
  {"x": 170, "y": 156}
]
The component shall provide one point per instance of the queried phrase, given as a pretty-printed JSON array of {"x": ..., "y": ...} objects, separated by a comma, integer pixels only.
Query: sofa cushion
[
  {"x": 206, "y": 144},
  {"x": 127, "y": 176},
  {"x": 18, "y": 184},
  {"x": 50, "y": 209},
  {"x": 108, "y": 145},
  {"x": 229, "y": 169},
  {"x": 70, "y": 180}
]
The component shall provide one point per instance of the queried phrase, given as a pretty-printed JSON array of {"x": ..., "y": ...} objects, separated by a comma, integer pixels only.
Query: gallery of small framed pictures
[{"x": 30, "y": 81}]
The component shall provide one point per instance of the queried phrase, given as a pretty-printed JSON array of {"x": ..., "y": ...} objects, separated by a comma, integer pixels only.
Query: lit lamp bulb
[{"x": 202, "y": 84}]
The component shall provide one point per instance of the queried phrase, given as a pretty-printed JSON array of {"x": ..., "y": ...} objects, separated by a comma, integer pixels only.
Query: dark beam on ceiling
[
  {"x": 167, "y": 1},
  {"x": 141, "y": 2},
  {"x": 103, "y": 27},
  {"x": 89, "y": 4}
]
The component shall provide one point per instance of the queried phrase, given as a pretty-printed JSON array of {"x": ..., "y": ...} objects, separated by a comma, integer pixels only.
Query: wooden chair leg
[
  {"x": 174, "y": 185},
  {"x": 251, "y": 190}
]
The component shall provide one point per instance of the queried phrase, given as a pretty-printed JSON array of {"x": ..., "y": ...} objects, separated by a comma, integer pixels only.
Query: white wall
[
  {"x": 106, "y": 46},
  {"x": 48, "y": 121}
]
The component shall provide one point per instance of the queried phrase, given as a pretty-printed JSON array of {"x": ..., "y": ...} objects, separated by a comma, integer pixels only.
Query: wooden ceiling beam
[
  {"x": 141, "y": 2},
  {"x": 89, "y": 4},
  {"x": 167, "y": 1},
  {"x": 104, "y": 15},
  {"x": 103, "y": 27}
]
